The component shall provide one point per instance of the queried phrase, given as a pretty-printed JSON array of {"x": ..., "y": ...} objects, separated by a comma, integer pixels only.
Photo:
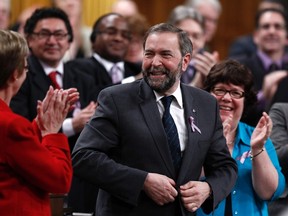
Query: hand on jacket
[
  {"x": 194, "y": 193},
  {"x": 160, "y": 188}
]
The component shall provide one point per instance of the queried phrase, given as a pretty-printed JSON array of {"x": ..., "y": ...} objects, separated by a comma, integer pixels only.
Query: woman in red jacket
[{"x": 34, "y": 157}]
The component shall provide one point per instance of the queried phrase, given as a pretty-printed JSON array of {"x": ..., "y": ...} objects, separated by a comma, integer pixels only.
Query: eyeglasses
[
  {"x": 112, "y": 32},
  {"x": 46, "y": 35},
  {"x": 236, "y": 94}
]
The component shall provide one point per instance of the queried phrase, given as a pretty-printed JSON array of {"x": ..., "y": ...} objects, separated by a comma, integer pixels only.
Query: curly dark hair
[{"x": 232, "y": 72}]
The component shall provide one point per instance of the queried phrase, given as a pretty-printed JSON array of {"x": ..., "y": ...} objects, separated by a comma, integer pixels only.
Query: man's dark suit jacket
[
  {"x": 254, "y": 63},
  {"x": 35, "y": 88},
  {"x": 102, "y": 78},
  {"x": 125, "y": 140}
]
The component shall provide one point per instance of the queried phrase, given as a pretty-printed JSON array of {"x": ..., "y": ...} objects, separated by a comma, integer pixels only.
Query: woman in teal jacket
[{"x": 259, "y": 174}]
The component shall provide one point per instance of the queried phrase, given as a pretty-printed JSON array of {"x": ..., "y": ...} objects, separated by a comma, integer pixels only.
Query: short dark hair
[
  {"x": 275, "y": 10},
  {"x": 44, "y": 13},
  {"x": 185, "y": 43},
  {"x": 231, "y": 71},
  {"x": 95, "y": 28}
]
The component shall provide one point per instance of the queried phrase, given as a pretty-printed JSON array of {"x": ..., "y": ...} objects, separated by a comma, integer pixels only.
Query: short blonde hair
[{"x": 13, "y": 51}]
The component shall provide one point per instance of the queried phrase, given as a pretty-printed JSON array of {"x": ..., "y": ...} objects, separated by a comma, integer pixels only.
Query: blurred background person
[
  {"x": 81, "y": 45},
  {"x": 211, "y": 11},
  {"x": 268, "y": 63},
  {"x": 125, "y": 7},
  {"x": 35, "y": 158},
  {"x": 279, "y": 136},
  {"x": 22, "y": 18},
  {"x": 5, "y": 12},
  {"x": 189, "y": 20},
  {"x": 138, "y": 26},
  {"x": 110, "y": 40},
  {"x": 260, "y": 179},
  {"x": 244, "y": 46}
]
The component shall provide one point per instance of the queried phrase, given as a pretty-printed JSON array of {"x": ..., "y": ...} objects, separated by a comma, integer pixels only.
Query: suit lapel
[
  {"x": 151, "y": 115},
  {"x": 41, "y": 80},
  {"x": 190, "y": 110}
]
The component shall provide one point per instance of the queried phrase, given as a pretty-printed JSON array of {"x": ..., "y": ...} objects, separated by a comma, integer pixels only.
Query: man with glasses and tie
[{"x": 49, "y": 34}]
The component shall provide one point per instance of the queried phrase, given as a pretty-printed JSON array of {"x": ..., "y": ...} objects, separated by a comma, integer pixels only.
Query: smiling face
[
  {"x": 195, "y": 32},
  {"x": 49, "y": 50},
  {"x": 113, "y": 38},
  {"x": 270, "y": 36},
  {"x": 230, "y": 106},
  {"x": 162, "y": 63}
]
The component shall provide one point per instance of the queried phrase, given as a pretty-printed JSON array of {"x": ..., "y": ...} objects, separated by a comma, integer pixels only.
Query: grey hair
[
  {"x": 182, "y": 12},
  {"x": 195, "y": 3}
]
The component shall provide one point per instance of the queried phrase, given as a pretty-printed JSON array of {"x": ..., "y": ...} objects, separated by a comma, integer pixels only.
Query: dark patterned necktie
[
  {"x": 273, "y": 67},
  {"x": 53, "y": 79},
  {"x": 171, "y": 132}
]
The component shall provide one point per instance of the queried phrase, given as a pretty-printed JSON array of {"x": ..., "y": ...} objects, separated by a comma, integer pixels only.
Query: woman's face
[{"x": 230, "y": 105}]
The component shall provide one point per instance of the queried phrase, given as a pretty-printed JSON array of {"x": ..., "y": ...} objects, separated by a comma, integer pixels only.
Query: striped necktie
[{"x": 171, "y": 132}]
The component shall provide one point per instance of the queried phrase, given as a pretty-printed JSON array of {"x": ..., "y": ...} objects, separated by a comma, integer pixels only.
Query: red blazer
[{"x": 30, "y": 167}]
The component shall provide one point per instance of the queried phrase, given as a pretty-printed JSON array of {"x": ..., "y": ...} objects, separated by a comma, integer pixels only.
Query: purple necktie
[{"x": 116, "y": 74}]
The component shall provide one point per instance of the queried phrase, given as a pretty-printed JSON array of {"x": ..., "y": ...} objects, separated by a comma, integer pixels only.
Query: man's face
[
  {"x": 50, "y": 50},
  {"x": 113, "y": 38},
  {"x": 4, "y": 14},
  {"x": 195, "y": 32},
  {"x": 270, "y": 36},
  {"x": 162, "y": 63},
  {"x": 211, "y": 16}
]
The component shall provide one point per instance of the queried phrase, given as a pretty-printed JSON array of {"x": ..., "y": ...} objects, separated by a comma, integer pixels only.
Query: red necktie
[{"x": 53, "y": 79}]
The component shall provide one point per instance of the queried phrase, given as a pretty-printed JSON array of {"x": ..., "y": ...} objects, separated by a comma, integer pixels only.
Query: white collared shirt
[
  {"x": 67, "y": 126},
  {"x": 108, "y": 65},
  {"x": 60, "y": 69},
  {"x": 177, "y": 113}
]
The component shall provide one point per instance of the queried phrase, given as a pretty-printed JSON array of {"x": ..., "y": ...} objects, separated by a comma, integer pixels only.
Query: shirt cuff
[{"x": 67, "y": 127}]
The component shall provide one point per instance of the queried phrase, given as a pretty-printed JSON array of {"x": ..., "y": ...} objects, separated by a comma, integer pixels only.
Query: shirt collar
[
  {"x": 267, "y": 61},
  {"x": 177, "y": 94},
  {"x": 242, "y": 134},
  {"x": 48, "y": 69},
  {"x": 108, "y": 64}
]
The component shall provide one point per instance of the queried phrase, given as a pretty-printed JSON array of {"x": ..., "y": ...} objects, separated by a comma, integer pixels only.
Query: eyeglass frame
[
  {"x": 47, "y": 34},
  {"x": 225, "y": 91}
]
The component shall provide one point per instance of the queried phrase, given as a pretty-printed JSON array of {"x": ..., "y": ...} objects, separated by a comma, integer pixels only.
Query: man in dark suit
[
  {"x": 267, "y": 64},
  {"x": 110, "y": 39},
  {"x": 279, "y": 136},
  {"x": 49, "y": 35},
  {"x": 142, "y": 167}
]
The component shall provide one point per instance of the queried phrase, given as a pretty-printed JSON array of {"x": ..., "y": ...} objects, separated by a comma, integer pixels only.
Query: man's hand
[
  {"x": 194, "y": 193},
  {"x": 160, "y": 188},
  {"x": 83, "y": 116}
]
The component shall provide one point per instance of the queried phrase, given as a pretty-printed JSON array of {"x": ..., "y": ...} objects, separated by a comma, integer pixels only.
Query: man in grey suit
[
  {"x": 125, "y": 149},
  {"x": 279, "y": 137}
]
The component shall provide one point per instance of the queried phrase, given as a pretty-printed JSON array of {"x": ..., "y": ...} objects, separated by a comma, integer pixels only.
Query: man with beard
[{"x": 142, "y": 167}]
